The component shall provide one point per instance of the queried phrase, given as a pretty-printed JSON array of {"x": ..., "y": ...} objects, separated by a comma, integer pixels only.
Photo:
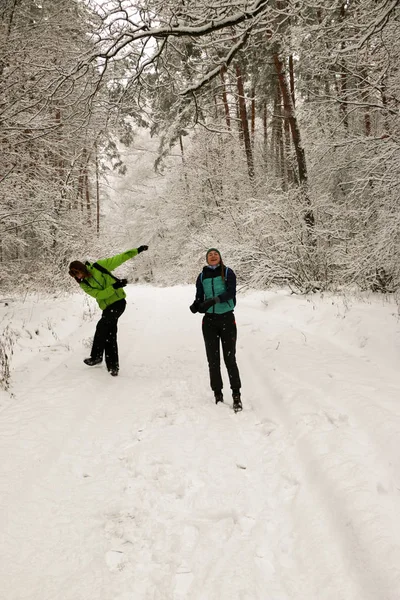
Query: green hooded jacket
[{"x": 100, "y": 285}]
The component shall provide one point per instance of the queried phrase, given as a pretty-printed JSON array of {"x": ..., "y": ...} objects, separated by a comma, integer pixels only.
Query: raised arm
[{"x": 115, "y": 261}]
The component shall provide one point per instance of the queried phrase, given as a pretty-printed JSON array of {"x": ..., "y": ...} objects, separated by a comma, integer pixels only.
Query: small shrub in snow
[
  {"x": 6, "y": 351},
  {"x": 87, "y": 342}
]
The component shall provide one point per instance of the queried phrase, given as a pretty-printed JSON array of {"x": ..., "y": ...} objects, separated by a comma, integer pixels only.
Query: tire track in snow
[{"x": 339, "y": 535}]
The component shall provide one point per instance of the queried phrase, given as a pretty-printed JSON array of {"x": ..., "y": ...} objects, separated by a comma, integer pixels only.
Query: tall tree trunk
[
  {"x": 97, "y": 191},
  {"x": 291, "y": 79},
  {"x": 225, "y": 99},
  {"x": 296, "y": 138},
  {"x": 8, "y": 30},
  {"x": 59, "y": 163},
  {"x": 238, "y": 120},
  {"x": 183, "y": 163},
  {"x": 81, "y": 193},
  {"x": 385, "y": 103},
  {"x": 343, "y": 96},
  {"x": 276, "y": 138},
  {"x": 365, "y": 97},
  {"x": 343, "y": 80},
  {"x": 265, "y": 133},
  {"x": 245, "y": 123},
  {"x": 294, "y": 126},
  {"x": 253, "y": 115},
  {"x": 281, "y": 139},
  {"x": 87, "y": 195}
]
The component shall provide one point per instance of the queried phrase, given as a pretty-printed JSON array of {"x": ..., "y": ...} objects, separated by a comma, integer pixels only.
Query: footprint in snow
[{"x": 115, "y": 560}]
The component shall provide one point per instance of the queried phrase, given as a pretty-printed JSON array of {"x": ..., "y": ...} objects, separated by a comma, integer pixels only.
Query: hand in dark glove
[
  {"x": 120, "y": 283},
  {"x": 204, "y": 306},
  {"x": 194, "y": 307},
  {"x": 142, "y": 249}
]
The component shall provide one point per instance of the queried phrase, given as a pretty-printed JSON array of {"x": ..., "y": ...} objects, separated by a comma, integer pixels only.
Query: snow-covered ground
[{"x": 140, "y": 488}]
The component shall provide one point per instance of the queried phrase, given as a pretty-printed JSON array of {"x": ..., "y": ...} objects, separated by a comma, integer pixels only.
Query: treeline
[
  {"x": 286, "y": 116},
  {"x": 56, "y": 124},
  {"x": 294, "y": 166}
]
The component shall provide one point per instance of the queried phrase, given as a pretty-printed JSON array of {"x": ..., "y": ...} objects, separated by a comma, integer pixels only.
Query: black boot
[
  {"x": 237, "y": 402},
  {"x": 113, "y": 372},
  {"x": 219, "y": 397},
  {"x": 92, "y": 361}
]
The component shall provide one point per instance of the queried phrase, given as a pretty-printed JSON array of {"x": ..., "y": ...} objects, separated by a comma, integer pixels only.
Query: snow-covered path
[{"x": 140, "y": 488}]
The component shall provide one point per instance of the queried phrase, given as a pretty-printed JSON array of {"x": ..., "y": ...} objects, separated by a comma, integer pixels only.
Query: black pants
[
  {"x": 216, "y": 328},
  {"x": 105, "y": 338}
]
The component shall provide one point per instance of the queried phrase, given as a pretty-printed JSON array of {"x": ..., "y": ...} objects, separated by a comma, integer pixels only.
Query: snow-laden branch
[
  {"x": 375, "y": 27},
  {"x": 180, "y": 30},
  {"x": 224, "y": 62}
]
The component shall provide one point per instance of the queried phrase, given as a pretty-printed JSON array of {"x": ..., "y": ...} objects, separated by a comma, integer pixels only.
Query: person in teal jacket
[
  {"x": 216, "y": 298},
  {"x": 96, "y": 280}
]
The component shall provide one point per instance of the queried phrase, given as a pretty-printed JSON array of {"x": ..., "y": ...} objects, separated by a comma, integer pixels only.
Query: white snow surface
[{"x": 140, "y": 488}]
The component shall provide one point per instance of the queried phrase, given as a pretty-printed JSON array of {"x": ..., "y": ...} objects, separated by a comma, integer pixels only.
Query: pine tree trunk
[
  {"x": 97, "y": 192},
  {"x": 291, "y": 78},
  {"x": 8, "y": 30},
  {"x": 87, "y": 195},
  {"x": 253, "y": 115},
  {"x": 385, "y": 103},
  {"x": 277, "y": 135},
  {"x": 343, "y": 95},
  {"x": 58, "y": 160},
  {"x": 281, "y": 140},
  {"x": 294, "y": 127},
  {"x": 183, "y": 164},
  {"x": 265, "y": 132},
  {"x": 296, "y": 138},
  {"x": 364, "y": 94},
  {"x": 245, "y": 124},
  {"x": 343, "y": 81},
  {"x": 225, "y": 99}
]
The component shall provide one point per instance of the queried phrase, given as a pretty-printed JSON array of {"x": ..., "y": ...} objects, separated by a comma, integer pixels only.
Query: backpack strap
[{"x": 104, "y": 270}]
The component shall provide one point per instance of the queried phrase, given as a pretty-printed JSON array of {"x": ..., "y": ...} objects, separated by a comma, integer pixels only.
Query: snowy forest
[
  {"x": 269, "y": 128},
  {"x": 158, "y": 131}
]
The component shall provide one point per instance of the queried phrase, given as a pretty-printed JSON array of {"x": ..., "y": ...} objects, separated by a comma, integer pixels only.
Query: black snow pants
[
  {"x": 105, "y": 338},
  {"x": 216, "y": 328}
]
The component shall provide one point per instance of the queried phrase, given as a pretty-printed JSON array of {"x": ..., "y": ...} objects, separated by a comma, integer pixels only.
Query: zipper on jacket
[{"x": 212, "y": 287}]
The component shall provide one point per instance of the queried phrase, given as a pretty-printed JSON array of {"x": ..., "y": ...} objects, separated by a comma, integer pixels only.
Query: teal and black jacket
[
  {"x": 100, "y": 285},
  {"x": 210, "y": 284}
]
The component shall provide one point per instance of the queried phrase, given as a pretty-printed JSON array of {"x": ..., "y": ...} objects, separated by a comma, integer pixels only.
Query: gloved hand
[
  {"x": 120, "y": 283},
  {"x": 194, "y": 307},
  {"x": 204, "y": 306},
  {"x": 142, "y": 249}
]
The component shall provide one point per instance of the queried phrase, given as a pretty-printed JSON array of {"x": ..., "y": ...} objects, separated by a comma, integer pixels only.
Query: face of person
[
  {"x": 213, "y": 258},
  {"x": 79, "y": 274}
]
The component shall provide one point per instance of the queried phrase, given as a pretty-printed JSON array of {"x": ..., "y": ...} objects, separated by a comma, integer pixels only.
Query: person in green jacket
[{"x": 96, "y": 280}]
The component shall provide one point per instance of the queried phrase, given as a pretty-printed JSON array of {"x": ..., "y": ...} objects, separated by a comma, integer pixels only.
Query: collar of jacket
[{"x": 210, "y": 272}]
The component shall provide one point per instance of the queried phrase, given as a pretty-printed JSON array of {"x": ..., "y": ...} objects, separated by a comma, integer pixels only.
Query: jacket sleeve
[
  {"x": 199, "y": 290},
  {"x": 96, "y": 293},
  {"x": 230, "y": 282},
  {"x": 115, "y": 261}
]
